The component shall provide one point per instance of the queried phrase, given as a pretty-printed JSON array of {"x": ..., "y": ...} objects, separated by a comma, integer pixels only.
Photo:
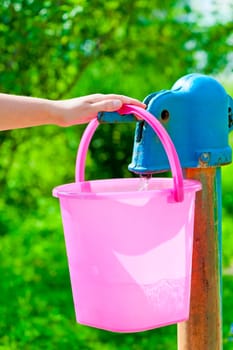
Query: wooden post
[{"x": 203, "y": 331}]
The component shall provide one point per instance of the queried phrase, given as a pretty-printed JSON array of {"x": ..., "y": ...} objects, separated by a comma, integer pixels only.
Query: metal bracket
[{"x": 114, "y": 117}]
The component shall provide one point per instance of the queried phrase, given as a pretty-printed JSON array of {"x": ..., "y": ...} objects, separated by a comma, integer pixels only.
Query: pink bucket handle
[{"x": 159, "y": 130}]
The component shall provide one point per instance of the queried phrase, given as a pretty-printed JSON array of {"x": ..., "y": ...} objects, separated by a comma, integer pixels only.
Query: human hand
[{"x": 83, "y": 109}]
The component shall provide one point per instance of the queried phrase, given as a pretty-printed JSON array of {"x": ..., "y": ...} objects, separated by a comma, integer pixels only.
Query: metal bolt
[{"x": 205, "y": 157}]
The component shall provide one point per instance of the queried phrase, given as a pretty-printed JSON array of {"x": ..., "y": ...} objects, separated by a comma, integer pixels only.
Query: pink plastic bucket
[{"x": 129, "y": 250}]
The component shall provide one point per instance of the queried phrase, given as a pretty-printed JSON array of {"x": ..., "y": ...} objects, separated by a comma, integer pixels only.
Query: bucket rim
[{"x": 67, "y": 190}]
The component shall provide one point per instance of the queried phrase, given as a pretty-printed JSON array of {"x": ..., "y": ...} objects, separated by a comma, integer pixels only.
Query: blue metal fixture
[{"x": 197, "y": 113}]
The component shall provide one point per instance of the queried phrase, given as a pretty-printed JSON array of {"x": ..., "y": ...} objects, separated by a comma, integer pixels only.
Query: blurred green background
[{"x": 61, "y": 49}]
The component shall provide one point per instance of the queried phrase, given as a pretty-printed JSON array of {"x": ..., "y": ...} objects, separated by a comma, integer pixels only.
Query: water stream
[{"x": 144, "y": 182}]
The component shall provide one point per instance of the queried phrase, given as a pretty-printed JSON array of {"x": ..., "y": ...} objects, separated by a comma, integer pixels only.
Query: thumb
[{"x": 107, "y": 105}]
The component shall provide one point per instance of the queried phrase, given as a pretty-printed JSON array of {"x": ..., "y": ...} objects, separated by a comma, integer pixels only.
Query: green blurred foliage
[
  {"x": 65, "y": 48},
  {"x": 227, "y": 200}
]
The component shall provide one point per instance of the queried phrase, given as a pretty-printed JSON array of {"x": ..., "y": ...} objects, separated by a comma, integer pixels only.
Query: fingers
[
  {"x": 128, "y": 100},
  {"x": 115, "y": 97},
  {"x": 107, "y": 105}
]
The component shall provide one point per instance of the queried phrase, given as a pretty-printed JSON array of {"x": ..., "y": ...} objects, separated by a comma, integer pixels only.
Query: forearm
[{"x": 22, "y": 111}]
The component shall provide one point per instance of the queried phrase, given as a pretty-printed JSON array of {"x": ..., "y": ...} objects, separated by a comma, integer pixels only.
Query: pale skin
[{"x": 22, "y": 111}]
